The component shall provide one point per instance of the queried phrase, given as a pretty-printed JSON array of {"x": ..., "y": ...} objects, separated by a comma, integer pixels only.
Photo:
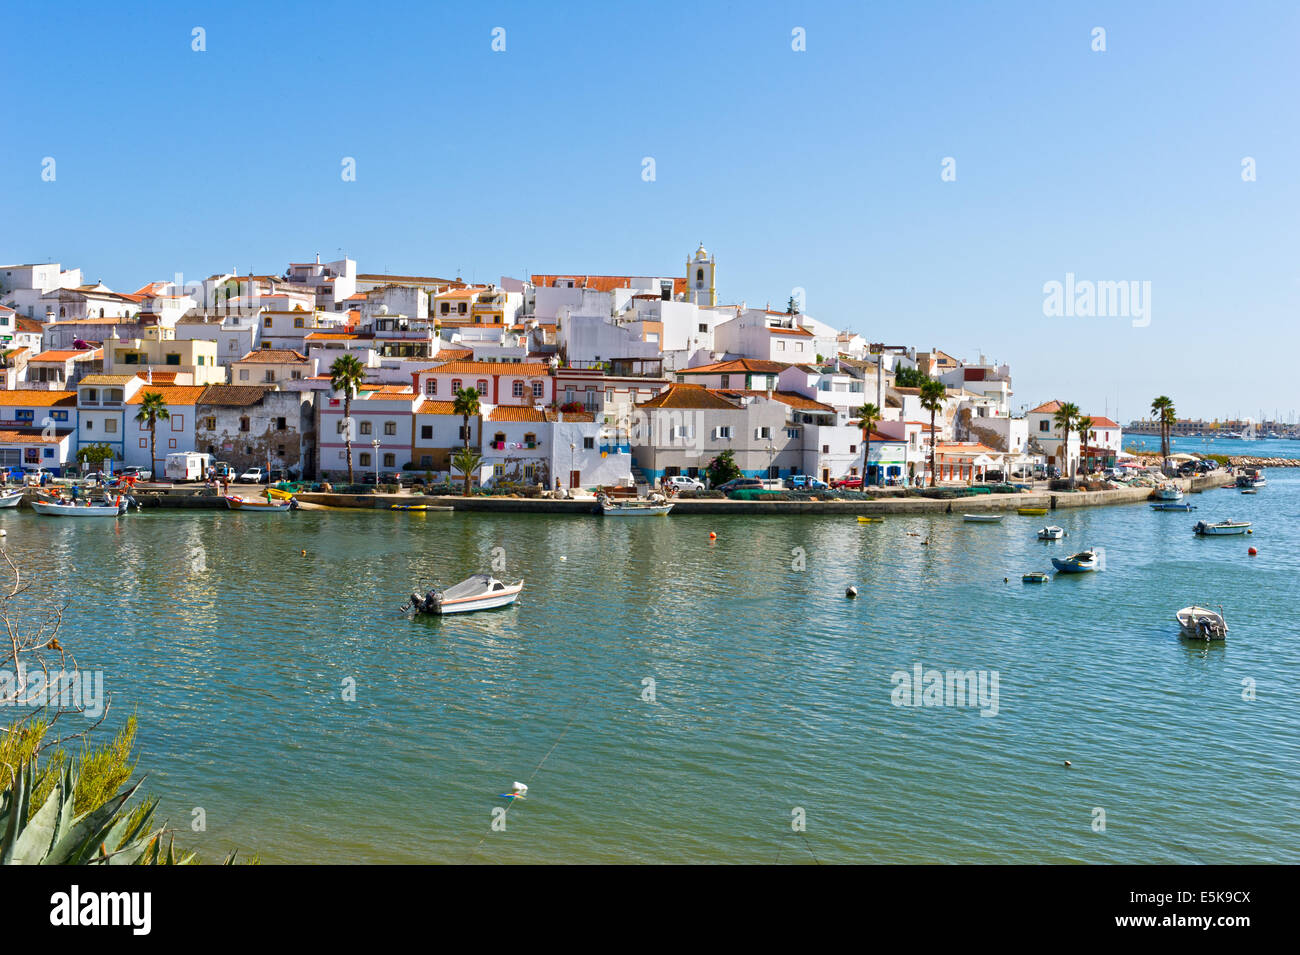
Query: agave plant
[{"x": 56, "y": 835}]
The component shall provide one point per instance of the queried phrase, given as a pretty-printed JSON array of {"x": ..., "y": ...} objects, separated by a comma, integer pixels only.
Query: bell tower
[{"x": 700, "y": 279}]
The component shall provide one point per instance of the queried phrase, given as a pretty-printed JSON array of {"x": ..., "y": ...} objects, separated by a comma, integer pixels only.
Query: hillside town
[{"x": 578, "y": 381}]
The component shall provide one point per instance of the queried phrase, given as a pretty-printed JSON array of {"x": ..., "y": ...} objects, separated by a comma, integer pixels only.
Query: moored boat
[
  {"x": 1220, "y": 528},
  {"x": 1080, "y": 563},
  {"x": 1035, "y": 577},
  {"x": 1172, "y": 506},
  {"x": 10, "y": 498},
  {"x": 1199, "y": 623},
  {"x": 1051, "y": 533},
  {"x": 870, "y": 520},
  {"x": 1031, "y": 511},
  {"x": 479, "y": 592},
  {"x": 258, "y": 507},
  {"x": 1169, "y": 492},
  {"x": 73, "y": 509},
  {"x": 982, "y": 518},
  {"x": 609, "y": 507}
]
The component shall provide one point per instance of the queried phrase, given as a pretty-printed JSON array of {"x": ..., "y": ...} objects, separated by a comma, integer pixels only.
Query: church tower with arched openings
[{"x": 701, "y": 286}]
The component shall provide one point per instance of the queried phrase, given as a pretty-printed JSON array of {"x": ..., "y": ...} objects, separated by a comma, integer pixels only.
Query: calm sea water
[{"x": 772, "y": 691}]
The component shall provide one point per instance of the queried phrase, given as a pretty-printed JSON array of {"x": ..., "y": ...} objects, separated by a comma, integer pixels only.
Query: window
[
  {"x": 725, "y": 432},
  {"x": 365, "y": 459},
  {"x": 144, "y": 442},
  {"x": 588, "y": 444},
  {"x": 297, "y": 323},
  {"x": 431, "y": 386},
  {"x": 266, "y": 322},
  {"x": 445, "y": 308},
  {"x": 517, "y": 389},
  {"x": 498, "y": 470},
  {"x": 426, "y": 460},
  {"x": 792, "y": 432},
  {"x": 390, "y": 427},
  {"x": 280, "y": 424},
  {"x": 243, "y": 423},
  {"x": 482, "y": 386},
  {"x": 243, "y": 374},
  {"x": 762, "y": 433},
  {"x": 365, "y": 427},
  {"x": 853, "y": 449},
  {"x": 92, "y": 395},
  {"x": 699, "y": 275},
  {"x": 529, "y": 470},
  {"x": 704, "y": 327},
  {"x": 780, "y": 345},
  {"x": 461, "y": 308},
  {"x": 24, "y": 415},
  {"x": 538, "y": 388},
  {"x": 726, "y": 381},
  {"x": 530, "y": 440},
  {"x": 826, "y": 449},
  {"x": 90, "y": 425},
  {"x": 455, "y": 385},
  {"x": 1044, "y": 426},
  {"x": 110, "y": 426},
  {"x": 173, "y": 358},
  {"x": 178, "y": 422},
  {"x": 210, "y": 424},
  {"x": 499, "y": 440},
  {"x": 390, "y": 461},
  {"x": 270, "y": 375},
  {"x": 426, "y": 432}
]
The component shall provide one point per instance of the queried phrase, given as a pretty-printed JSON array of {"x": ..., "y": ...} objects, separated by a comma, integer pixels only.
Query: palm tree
[
  {"x": 933, "y": 394},
  {"x": 347, "y": 375},
  {"x": 153, "y": 408},
  {"x": 1162, "y": 411},
  {"x": 466, "y": 405},
  {"x": 466, "y": 461},
  {"x": 1083, "y": 426},
  {"x": 1065, "y": 417},
  {"x": 868, "y": 416}
]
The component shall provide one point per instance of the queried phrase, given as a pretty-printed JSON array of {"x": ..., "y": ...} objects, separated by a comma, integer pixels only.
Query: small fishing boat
[
  {"x": 870, "y": 520},
  {"x": 408, "y": 507},
  {"x": 1080, "y": 563},
  {"x": 1051, "y": 533},
  {"x": 244, "y": 505},
  {"x": 1221, "y": 528},
  {"x": 1035, "y": 577},
  {"x": 1249, "y": 490},
  {"x": 72, "y": 509},
  {"x": 1169, "y": 492},
  {"x": 1031, "y": 511},
  {"x": 1252, "y": 478},
  {"x": 10, "y": 498},
  {"x": 480, "y": 592},
  {"x": 982, "y": 518},
  {"x": 1198, "y": 623},
  {"x": 1172, "y": 506},
  {"x": 632, "y": 508}
]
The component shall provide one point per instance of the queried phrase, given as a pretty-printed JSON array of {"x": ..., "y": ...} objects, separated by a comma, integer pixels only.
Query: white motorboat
[
  {"x": 982, "y": 518},
  {"x": 1080, "y": 563},
  {"x": 480, "y": 592},
  {"x": 10, "y": 498},
  {"x": 1051, "y": 533},
  {"x": 73, "y": 509},
  {"x": 1221, "y": 528},
  {"x": 1169, "y": 492},
  {"x": 610, "y": 507},
  {"x": 1199, "y": 623}
]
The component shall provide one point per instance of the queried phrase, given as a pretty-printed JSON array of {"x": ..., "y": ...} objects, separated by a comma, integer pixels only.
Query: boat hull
[
  {"x": 258, "y": 507},
  {"x": 1220, "y": 530},
  {"x": 11, "y": 500},
  {"x": 634, "y": 510},
  {"x": 1168, "y": 506},
  {"x": 490, "y": 601},
  {"x": 71, "y": 510},
  {"x": 1032, "y": 511},
  {"x": 1072, "y": 565},
  {"x": 982, "y": 518}
]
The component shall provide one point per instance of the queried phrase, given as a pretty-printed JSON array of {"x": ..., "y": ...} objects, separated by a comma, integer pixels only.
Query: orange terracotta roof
[
  {"x": 601, "y": 283},
  {"x": 791, "y": 331},
  {"x": 275, "y": 356},
  {"x": 157, "y": 377},
  {"x": 737, "y": 364},
  {"x": 963, "y": 447},
  {"x": 1102, "y": 422},
  {"x": 172, "y": 394},
  {"x": 793, "y": 399},
  {"x": 488, "y": 368},
  {"x": 90, "y": 354},
  {"x": 328, "y": 336},
  {"x": 454, "y": 354},
  {"x": 1050, "y": 407},
  {"x": 18, "y": 437},
  {"x": 516, "y": 413},
  {"x": 432, "y": 406},
  {"x": 31, "y": 398},
  {"x": 689, "y": 396}
]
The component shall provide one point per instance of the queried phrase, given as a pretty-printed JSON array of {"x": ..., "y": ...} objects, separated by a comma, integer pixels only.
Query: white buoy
[
  {"x": 851, "y": 592},
  {"x": 520, "y": 788}
]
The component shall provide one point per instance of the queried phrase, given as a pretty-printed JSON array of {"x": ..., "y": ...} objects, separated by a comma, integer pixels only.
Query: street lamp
[
  {"x": 375, "y": 444},
  {"x": 572, "y": 450}
]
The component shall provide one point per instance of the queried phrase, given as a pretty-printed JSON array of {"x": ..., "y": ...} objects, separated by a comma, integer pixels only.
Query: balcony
[{"x": 616, "y": 449}]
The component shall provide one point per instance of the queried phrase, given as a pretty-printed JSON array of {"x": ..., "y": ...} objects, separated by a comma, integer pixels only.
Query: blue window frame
[
  {"x": 59, "y": 415},
  {"x": 24, "y": 414}
]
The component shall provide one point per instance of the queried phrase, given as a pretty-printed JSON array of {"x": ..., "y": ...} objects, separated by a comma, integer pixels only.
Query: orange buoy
[
  {"x": 1252, "y": 552},
  {"x": 712, "y": 536}
]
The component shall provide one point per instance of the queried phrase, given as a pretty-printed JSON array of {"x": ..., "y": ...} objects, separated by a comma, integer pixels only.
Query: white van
[{"x": 187, "y": 466}]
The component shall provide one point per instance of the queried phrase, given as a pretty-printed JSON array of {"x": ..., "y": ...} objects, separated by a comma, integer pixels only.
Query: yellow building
[{"x": 158, "y": 351}]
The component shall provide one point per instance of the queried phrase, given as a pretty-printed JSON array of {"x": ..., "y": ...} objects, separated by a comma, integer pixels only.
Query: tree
[
  {"x": 1083, "y": 426},
  {"x": 347, "y": 375},
  {"x": 722, "y": 469},
  {"x": 1065, "y": 417},
  {"x": 868, "y": 416},
  {"x": 153, "y": 408},
  {"x": 906, "y": 376},
  {"x": 467, "y": 461},
  {"x": 792, "y": 307},
  {"x": 933, "y": 394},
  {"x": 1163, "y": 413},
  {"x": 94, "y": 455},
  {"x": 466, "y": 405}
]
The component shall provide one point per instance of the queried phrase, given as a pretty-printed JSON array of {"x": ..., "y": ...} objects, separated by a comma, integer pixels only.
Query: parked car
[
  {"x": 223, "y": 470},
  {"x": 682, "y": 482},
  {"x": 851, "y": 483},
  {"x": 277, "y": 475},
  {"x": 806, "y": 482},
  {"x": 252, "y": 476},
  {"x": 740, "y": 484},
  {"x": 139, "y": 473},
  {"x": 994, "y": 477}
]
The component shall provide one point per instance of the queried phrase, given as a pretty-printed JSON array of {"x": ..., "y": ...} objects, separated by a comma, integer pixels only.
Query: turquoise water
[{"x": 772, "y": 691}]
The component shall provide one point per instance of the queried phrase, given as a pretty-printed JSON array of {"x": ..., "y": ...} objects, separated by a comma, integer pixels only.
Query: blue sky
[{"x": 817, "y": 169}]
